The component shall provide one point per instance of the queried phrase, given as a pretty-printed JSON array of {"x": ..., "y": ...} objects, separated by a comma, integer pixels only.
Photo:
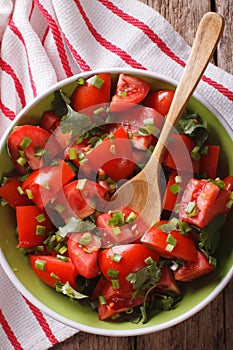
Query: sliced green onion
[
  {"x": 72, "y": 153},
  {"x": 213, "y": 261},
  {"x": 99, "y": 110},
  {"x": 62, "y": 258},
  {"x": 116, "y": 230},
  {"x": 97, "y": 82},
  {"x": 205, "y": 150},
  {"x": 113, "y": 149},
  {"x": 25, "y": 142},
  {"x": 54, "y": 276},
  {"x": 178, "y": 179},
  {"x": 149, "y": 260},
  {"x": 86, "y": 250},
  {"x": 21, "y": 161},
  {"x": 175, "y": 188},
  {"x": 131, "y": 217},
  {"x": 191, "y": 209},
  {"x": 29, "y": 193},
  {"x": 122, "y": 93},
  {"x": 83, "y": 161},
  {"x": 59, "y": 207},
  {"x": 148, "y": 121},
  {"x": 229, "y": 204},
  {"x": 79, "y": 140},
  {"x": 102, "y": 300},
  {"x": 171, "y": 240},
  {"x": 112, "y": 273},
  {"x": 40, "y": 230},
  {"x": 40, "y": 265},
  {"x": 169, "y": 247},
  {"x": 40, "y": 218},
  {"x": 115, "y": 284},
  {"x": 63, "y": 249},
  {"x": 116, "y": 257},
  {"x": 195, "y": 154},
  {"x": 184, "y": 228},
  {"x": 81, "y": 81},
  {"x": 20, "y": 190},
  {"x": 81, "y": 184},
  {"x": 85, "y": 239},
  {"x": 46, "y": 185}
]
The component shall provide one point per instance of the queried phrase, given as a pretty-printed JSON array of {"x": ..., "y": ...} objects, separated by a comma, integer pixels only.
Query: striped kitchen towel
[{"x": 43, "y": 42}]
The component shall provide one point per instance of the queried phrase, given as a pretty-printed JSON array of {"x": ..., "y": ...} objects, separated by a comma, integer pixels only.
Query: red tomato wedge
[
  {"x": 94, "y": 92},
  {"x": 209, "y": 162},
  {"x": 158, "y": 240},
  {"x": 10, "y": 192},
  {"x": 26, "y": 145},
  {"x": 54, "y": 270},
  {"x": 122, "y": 260},
  {"x": 129, "y": 91},
  {"x": 129, "y": 231},
  {"x": 175, "y": 189},
  {"x": 160, "y": 100},
  {"x": 117, "y": 301},
  {"x": 202, "y": 201},
  {"x": 113, "y": 155},
  {"x": 178, "y": 154},
  {"x": 43, "y": 184},
  {"x": 83, "y": 250},
  {"x": 80, "y": 198},
  {"x": 167, "y": 282},
  {"x": 194, "y": 269},
  {"x": 33, "y": 226}
]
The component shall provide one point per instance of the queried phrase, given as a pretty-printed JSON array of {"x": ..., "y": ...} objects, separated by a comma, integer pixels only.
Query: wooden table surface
[{"x": 211, "y": 328}]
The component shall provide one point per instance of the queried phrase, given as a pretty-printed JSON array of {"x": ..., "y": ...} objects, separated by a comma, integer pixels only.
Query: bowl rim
[{"x": 76, "y": 325}]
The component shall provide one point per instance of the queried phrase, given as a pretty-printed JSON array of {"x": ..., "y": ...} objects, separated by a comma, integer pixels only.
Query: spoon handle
[{"x": 205, "y": 42}]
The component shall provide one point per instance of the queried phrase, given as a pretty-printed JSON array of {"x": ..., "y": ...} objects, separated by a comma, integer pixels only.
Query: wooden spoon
[{"x": 142, "y": 192}]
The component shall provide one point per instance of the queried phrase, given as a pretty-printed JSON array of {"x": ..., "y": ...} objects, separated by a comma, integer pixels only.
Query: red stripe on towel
[
  {"x": 9, "y": 333},
  {"x": 6, "y": 111},
  {"x": 17, "y": 32},
  {"x": 42, "y": 322},
  {"x": 107, "y": 44},
  {"x": 57, "y": 38},
  {"x": 18, "y": 86}
]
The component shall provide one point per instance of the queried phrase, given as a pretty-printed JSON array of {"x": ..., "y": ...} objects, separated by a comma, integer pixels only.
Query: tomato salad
[{"x": 66, "y": 170}]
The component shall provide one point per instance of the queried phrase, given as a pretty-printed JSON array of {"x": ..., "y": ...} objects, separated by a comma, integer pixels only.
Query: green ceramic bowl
[{"x": 196, "y": 295}]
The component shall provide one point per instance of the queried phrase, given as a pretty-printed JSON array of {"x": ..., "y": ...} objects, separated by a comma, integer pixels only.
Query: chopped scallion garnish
[
  {"x": 40, "y": 218},
  {"x": 112, "y": 273},
  {"x": 81, "y": 184},
  {"x": 25, "y": 142},
  {"x": 97, "y": 82},
  {"x": 40, "y": 265},
  {"x": 40, "y": 230}
]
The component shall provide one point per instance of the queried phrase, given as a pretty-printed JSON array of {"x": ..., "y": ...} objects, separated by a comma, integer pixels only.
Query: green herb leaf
[
  {"x": 75, "y": 225},
  {"x": 75, "y": 122},
  {"x": 191, "y": 124},
  {"x": 210, "y": 235}
]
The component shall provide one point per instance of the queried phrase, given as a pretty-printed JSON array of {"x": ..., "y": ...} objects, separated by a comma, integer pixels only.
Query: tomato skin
[
  {"x": 133, "y": 259},
  {"x": 155, "y": 238},
  {"x": 193, "y": 270},
  {"x": 209, "y": 162},
  {"x": 160, "y": 100},
  {"x": 27, "y": 223},
  {"x": 128, "y": 232},
  {"x": 64, "y": 270},
  {"x": 210, "y": 202},
  {"x": 9, "y": 192},
  {"x": 178, "y": 154},
  {"x": 114, "y": 157},
  {"x": 170, "y": 199},
  {"x": 129, "y": 91},
  {"x": 84, "y": 257},
  {"x": 81, "y": 202},
  {"x": 39, "y": 138},
  {"x": 45, "y": 183},
  {"x": 87, "y": 95}
]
